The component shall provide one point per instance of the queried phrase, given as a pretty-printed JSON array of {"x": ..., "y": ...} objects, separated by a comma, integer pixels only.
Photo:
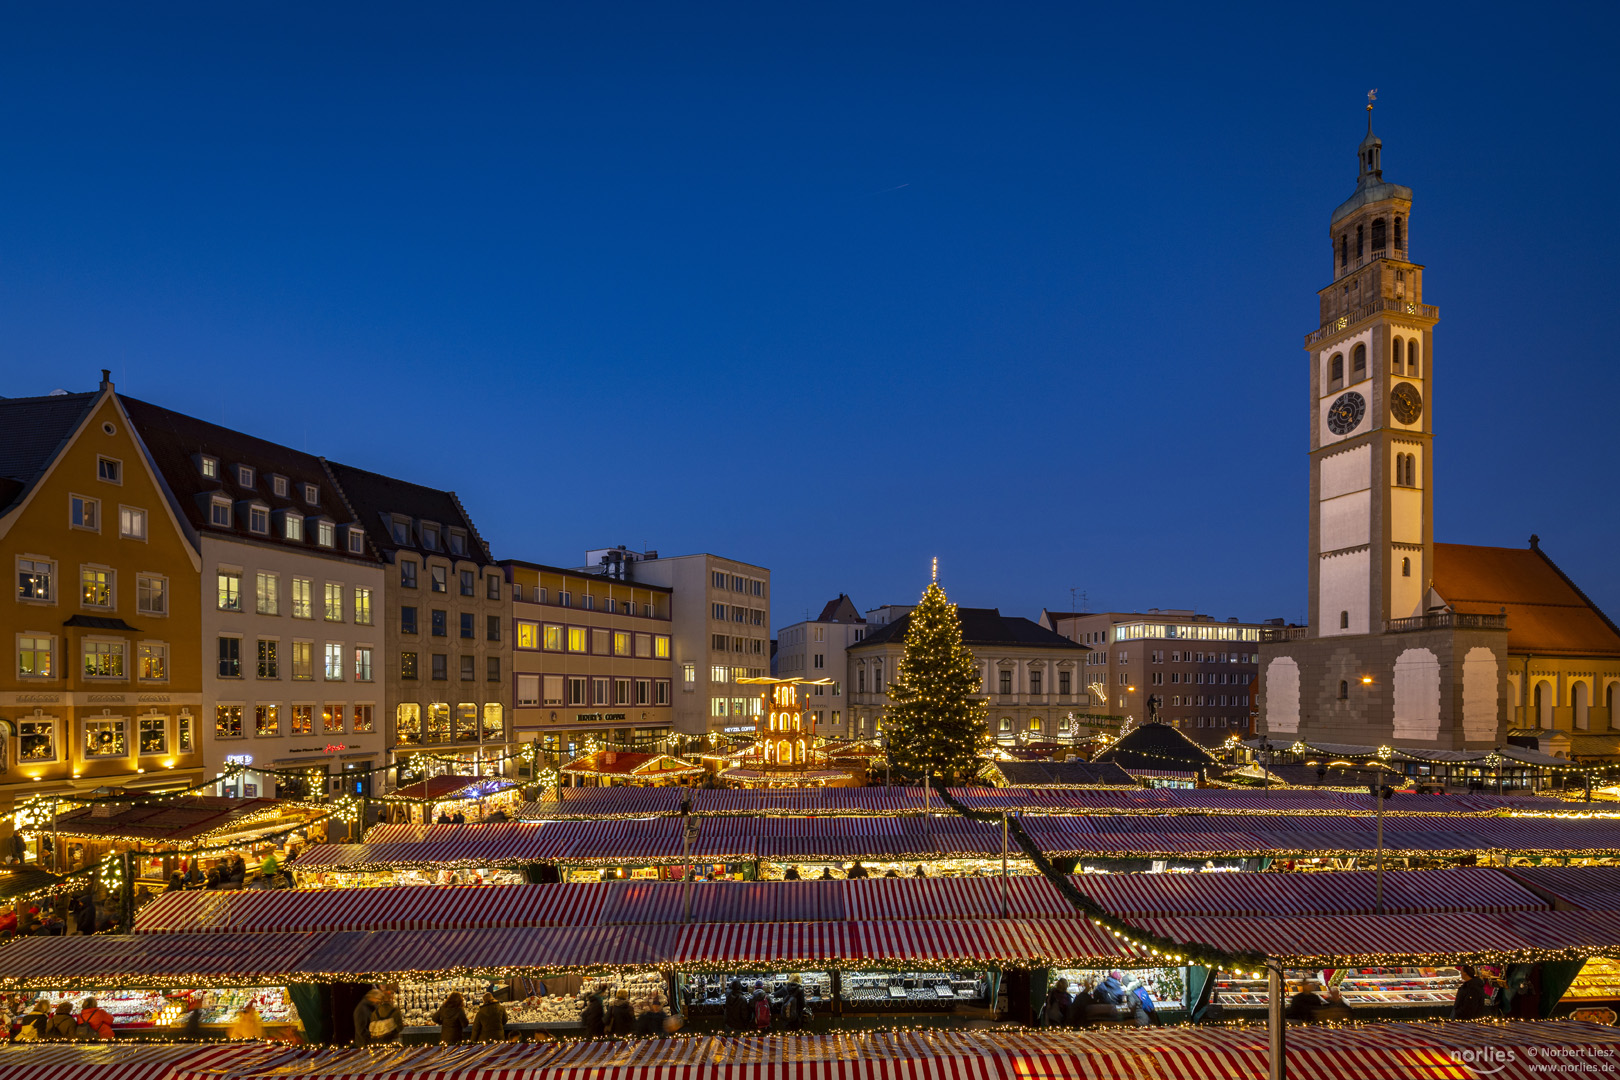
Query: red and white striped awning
[
  {"x": 1341, "y": 893},
  {"x": 116, "y": 1061},
  {"x": 109, "y": 960},
  {"x": 1596, "y": 888},
  {"x": 1347, "y": 939},
  {"x": 603, "y": 802}
]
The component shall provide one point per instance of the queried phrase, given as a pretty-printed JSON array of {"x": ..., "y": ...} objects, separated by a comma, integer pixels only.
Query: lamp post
[{"x": 1380, "y": 792}]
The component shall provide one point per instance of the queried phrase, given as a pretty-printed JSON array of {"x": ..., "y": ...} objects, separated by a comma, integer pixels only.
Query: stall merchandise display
[
  {"x": 1397, "y": 987},
  {"x": 421, "y": 1000},
  {"x": 927, "y": 991},
  {"x": 336, "y": 879},
  {"x": 706, "y": 994},
  {"x": 1167, "y": 986},
  {"x": 947, "y": 868},
  {"x": 151, "y": 1008},
  {"x": 1599, "y": 980}
]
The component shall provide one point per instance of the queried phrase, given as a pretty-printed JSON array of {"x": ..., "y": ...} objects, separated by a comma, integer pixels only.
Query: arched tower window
[
  {"x": 1406, "y": 567},
  {"x": 1358, "y": 363},
  {"x": 1344, "y": 690},
  {"x": 1411, "y": 470},
  {"x": 1412, "y": 358},
  {"x": 1360, "y": 247},
  {"x": 1400, "y": 470},
  {"x": 1336, "y": 369},
  {"x": 1344, "y": 250},
  {"x": 1378, "y": 230},
  {"x": 1400, "y": 234},
  {"x": 1344, "y": 620},
  {"x": 1397, "y": 354}
]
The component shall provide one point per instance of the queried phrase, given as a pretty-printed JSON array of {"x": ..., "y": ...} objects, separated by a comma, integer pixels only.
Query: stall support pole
[
  {"x": 686, "y": 859},
  {"x": 1004, "y": 864},
  {"x": 126, "y": 893},
  {"x": 1274, "y": 1023},
  {"x": 1380, "y": 800}
]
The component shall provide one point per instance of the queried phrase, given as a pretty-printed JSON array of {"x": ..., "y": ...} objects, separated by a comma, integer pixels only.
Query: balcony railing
[
  {"x": 1355, "y": 315},
  {"x": 1445, "y": 620},
  {"x": 1398, "y": 254},
  {"x": 1276, "y": 634}
]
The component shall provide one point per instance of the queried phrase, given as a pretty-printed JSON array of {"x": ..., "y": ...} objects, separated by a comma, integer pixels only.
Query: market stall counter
[{"x": 163, "y": 1014}]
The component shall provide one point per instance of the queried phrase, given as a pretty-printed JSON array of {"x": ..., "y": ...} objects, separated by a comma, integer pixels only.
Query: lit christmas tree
[{"x": 935, "y": 724}]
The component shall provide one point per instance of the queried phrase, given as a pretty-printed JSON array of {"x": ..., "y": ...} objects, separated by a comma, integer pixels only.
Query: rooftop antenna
[{"x": 1072, "y": 592}]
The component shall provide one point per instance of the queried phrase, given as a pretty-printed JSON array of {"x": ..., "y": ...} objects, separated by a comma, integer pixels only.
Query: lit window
[
  {"x": 494, "y": 723},
  {"x": 104, "y": 738},
  {"x": 209, "y": 467},
  {"x": 84, "y": 513},
  {"x": 269, "y": 662},
  {"x": 334, "y": 662},
  {"x": 95, "y": 587},
  {"x": 362, "y": 606},
  {"x": 362, "y": 663},
  {"x": 109, "y": 470},
  {"x": 152, "y": 661},
  {"x": 303, "y": 720},
  {"x": 362, "y": 719},
  {"x": 407, "y": 665},
  {"x": 104, "y": 659},
  {"x": 325, "y": 534},
  {"x": 303, "y": 598},
  {"x": 266, "y": 720},
  {"x": 229, "y": 590},
  {"x": 154, "y": 735},
  {"x": 334, "y": 602},
  {"x": 621, "y": 643},
  {"x": 303, "y": 660},
  {"x": 408, "y": 724},
  {"x": 34, "y": 579},
  {"x": 227, "y": 721},
  {"x": 661, "y": 646},
  {"x": 266, "y": 588},
  {"x": 131, "y": 523},
  {"x": 36, "y": 740},
  {"x": 34, "y": 657},
  {"x": 332, "y": 719},
  {"x": 292, "y": 527},
  {"x": 528, "y": 635},
  {"x": 576, "y": 639}
]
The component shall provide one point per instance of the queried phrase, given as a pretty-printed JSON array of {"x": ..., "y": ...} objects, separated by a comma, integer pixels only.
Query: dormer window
[
  {"x": 219, "y": 512},
  {"x": 259, "y": 519},
  {"x": 278, "y": 485},
  {"x": 312, "y": 494},
  {"x": 208, "y": 466},
  {"x": 244, "y": 476},
  {"x": 357, "y": 541},
  {"x": 292, "y": 526},
  {"x": 325, "y": 533},
  {"x": 458, "y": 542},
  {"x": 430, "y": 537},
  {"x": 400, "y": 530}
]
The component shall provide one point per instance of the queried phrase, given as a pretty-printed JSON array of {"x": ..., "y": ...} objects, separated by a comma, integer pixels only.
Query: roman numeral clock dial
[{"x": 1345, "y": 414}]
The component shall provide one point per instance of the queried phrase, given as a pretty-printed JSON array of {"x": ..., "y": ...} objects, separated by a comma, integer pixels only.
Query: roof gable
[
  {"x": 377, "y": 499},
  {"x": 1547, "y": 614},
  {"x": 984, "y": 627},
  {"x": 37, "y": 429},
  {"x": 840, "y": 610}
]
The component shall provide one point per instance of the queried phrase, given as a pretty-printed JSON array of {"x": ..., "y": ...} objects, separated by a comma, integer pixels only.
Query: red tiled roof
[{"x": 1547, "y": 614}]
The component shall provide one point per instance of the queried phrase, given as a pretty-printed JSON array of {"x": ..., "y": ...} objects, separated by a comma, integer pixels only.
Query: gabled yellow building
[{"x": 100, "y": 652}]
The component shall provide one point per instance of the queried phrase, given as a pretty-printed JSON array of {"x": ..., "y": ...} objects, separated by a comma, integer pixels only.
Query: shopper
[
  {"x": 1056, "y": 1012},
  {"x": 1084, "y": 998},
  {"x": 736, "y": 1007},
  {"x": 594, "y": 1016},
  {"x": 1470, "y": 1003},
  {"x": 452, "y": 1020},
  {"x": 389, "y": 1016},
  {"x": 61, "y": 1024},
  {"x": 176, "y": 883},
  {"x": 247, "y": 1024},
  {"x": 760, "y": 1008},
  {"x": 1111, "y": 991},
  {"x": 489, "y": 1025},
  {"x": 1303, "y": 1005},
  {"x": 96, "y": 1019},
  {"x": 621, "y": 1019},
  {"x": 364, "y": 1013},
  {"x": 8, "y": 923},
  {"x": 857, "y": 871},
  {"x": 35, "y": 1019},
  {"x": 792, "y": 874},
  {"x": 795, "y": 1010},
  {"x": 650, "y": 1015}
]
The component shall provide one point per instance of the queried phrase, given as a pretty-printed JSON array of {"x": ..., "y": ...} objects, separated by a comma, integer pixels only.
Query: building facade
[
  {"x": 1031, "y": 676},
  {"x": 446, "y": 685},
  {"x": 818, "y": 649},
  {"x": 101, "y": 681},
  {"x": 1180, "y": 667},
  {"x": 720, "y": 619},
  {"x": 291, "y": 609},
  {"x": 592, "y": 657},
  {"x": 1378, "y": 662}
]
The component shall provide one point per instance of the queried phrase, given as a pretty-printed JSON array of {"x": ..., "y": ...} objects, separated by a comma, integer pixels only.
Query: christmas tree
[{"x": 935, "y": 724}]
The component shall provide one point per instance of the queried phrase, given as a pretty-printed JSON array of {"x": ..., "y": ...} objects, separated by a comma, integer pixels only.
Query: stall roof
[
  {"x": 1345, "y": 892},
  {"x": 1062, "y": 774},
  {"x": 1393, "y": 1051},
  {"x": 449, "y": 788},
  {"x": 603, "y": 803},
  {"x": 179, "y": 819},
  {"x": 1595, "y": 888}
]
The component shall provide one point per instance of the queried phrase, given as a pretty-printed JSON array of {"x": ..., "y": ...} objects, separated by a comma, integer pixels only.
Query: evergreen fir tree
[{"x": 935, "y": 724}]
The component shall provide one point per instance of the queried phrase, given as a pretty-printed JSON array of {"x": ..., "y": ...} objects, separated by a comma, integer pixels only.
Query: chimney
[{"x": 106, "y": 379}]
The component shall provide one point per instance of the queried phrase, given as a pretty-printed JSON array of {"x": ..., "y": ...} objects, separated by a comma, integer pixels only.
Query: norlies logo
[{"x": 1483, "y": 1060}]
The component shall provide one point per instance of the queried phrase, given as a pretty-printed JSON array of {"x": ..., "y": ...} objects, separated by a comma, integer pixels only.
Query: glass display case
[
  {"x": 1599, "y": 980},
  {"x": 551, "y": 1011},
  {"x": 1370, "y": 987},
  {"x": 705, "y": 995},
  {"x": 157, "y": 1009},
  {"x": 912, "y": 991}
]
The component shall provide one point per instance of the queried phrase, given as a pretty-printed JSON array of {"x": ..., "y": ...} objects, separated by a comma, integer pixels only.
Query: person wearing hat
[
  {"x": 1111, "y": 991},
  {"x": 621, "y": 1018},
  {"x": 489, "y": 1024}
]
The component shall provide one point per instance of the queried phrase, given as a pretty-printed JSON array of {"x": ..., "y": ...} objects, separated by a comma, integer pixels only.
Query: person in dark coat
[
  {"x": 1084, "y": 998},
  {"x": 443, "y": 818},
  {"x": 593, "y": 1016},
  {"x": 1470, "y": 1003},
  {"x": 391, "y": 1013},
  {"x": 736, "y": 1007},
  {"x": 857, "y": 871},
  {"x": 1303, "y": 1005},
  {"x": 1111, "y": 991},
  {"x": 85, "y": 914},
  {"x": 364, "y": 1013},
  {"x": 1056, "y": 1011},
  {"x": 621, "y": 1019},
  {"x": 459, "y": 819},
  {"x": 36, "y": 1017},
  {"x": 452, "y": 1020},
  {"x": 794, "y": 1008},
  {"x": 61, "y": 1024},
  {"x": 490, "y": 1023},
  {"x": 650, "y": 1020},
  {"x": 792, "y": 874},
  {"x": 176, "y": 883}
]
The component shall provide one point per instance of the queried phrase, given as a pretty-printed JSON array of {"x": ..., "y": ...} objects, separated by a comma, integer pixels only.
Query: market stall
[
  {"x": 610, "y": 768},
  {"x": 440, "y": 798}
]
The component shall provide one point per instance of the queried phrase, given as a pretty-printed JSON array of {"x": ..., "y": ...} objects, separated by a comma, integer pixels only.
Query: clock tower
[
  {"x": 1372, "y": 360},
  {"x": 1383, "y": 660}
]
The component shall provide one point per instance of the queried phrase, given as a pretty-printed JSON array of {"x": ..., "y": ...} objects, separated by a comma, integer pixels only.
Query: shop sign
[
  {"x": 597, "y": 717},
  {"x": 332, "y": 748},
  {"x": 238, "y": 759}
]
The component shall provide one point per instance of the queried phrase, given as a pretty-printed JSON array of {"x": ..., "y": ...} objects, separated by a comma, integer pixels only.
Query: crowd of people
[
  {"x": 22, "y": 1022},
  {"x": 1110, "y": 1000},
  {"x": 232, "y": 873}
]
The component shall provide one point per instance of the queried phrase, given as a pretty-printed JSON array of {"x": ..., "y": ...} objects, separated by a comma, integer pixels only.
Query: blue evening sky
[{"x": 833, "y": 288}]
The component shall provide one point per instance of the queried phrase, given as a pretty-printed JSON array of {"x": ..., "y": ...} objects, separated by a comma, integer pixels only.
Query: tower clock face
[
  {"x": 1345, "y": 414},
  {"x": 1406, "y": 403}
]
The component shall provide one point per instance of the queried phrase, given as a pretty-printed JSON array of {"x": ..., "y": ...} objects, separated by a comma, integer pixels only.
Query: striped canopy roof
[
  {"x": 1593, "y": 887},
  {"x": 1391, "y": 1051}
]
